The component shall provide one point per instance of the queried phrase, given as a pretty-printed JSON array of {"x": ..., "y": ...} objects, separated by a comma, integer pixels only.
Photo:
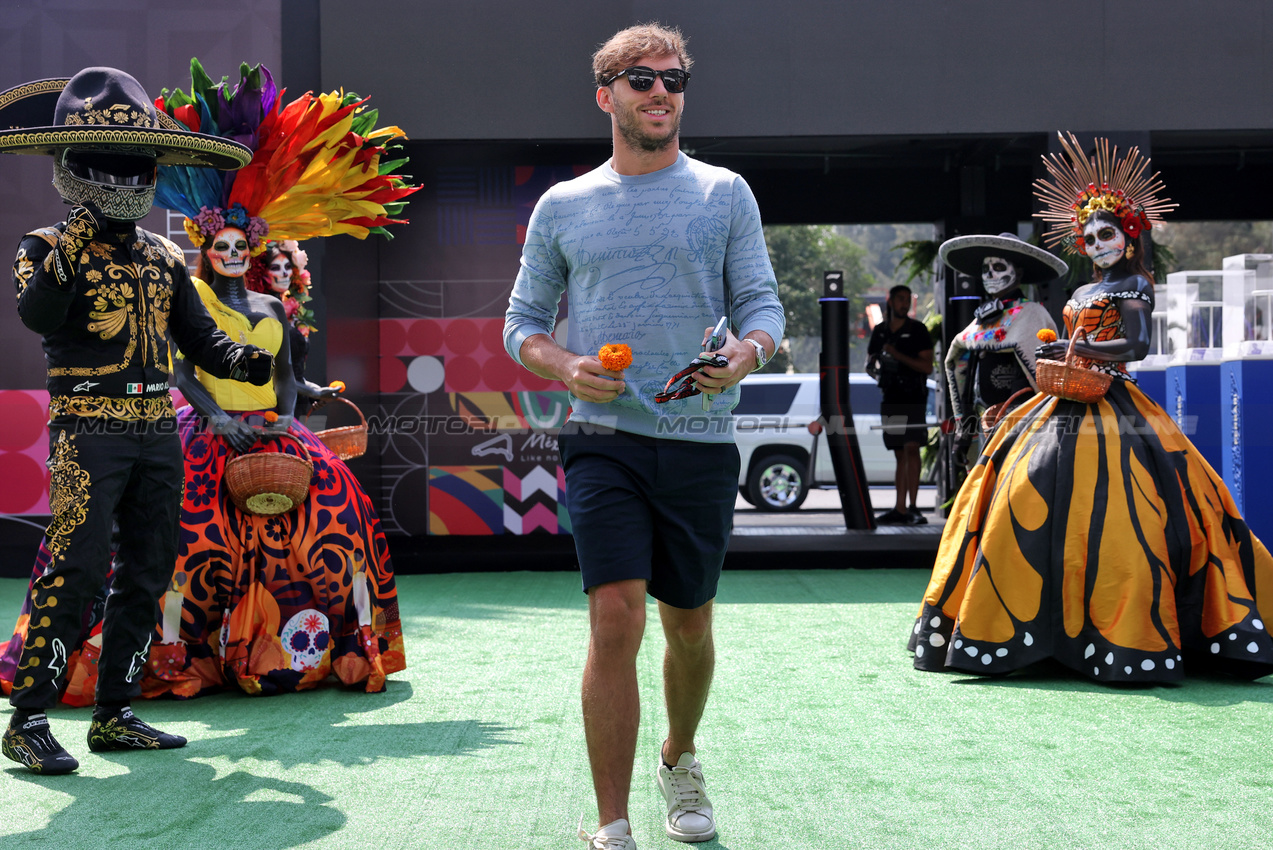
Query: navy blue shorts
[
  {"x": 903, "y": 424},
  {"x": 648, "y": 508}
]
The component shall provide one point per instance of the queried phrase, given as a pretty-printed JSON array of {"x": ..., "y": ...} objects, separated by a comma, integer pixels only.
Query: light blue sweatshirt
[{"x": 649, "y": 261}]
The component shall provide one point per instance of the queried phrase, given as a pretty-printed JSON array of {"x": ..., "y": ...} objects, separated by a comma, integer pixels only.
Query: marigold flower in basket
[
  {"x": 271, "y": 416},
  {"x": 615, "y": 357},
  {"x": 337, "y": 385},
  {"x": 1046, "y": 335}
]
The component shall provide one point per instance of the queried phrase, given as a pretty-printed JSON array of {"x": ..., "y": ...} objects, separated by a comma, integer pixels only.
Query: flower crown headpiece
[
  {"x": 319, "y": 164},
  {"x": 1083, "y": 186},
  {"x": 208, "y": 222}
]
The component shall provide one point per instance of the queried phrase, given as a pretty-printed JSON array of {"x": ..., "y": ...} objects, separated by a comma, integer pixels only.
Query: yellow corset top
[{"x": 267, "y": 333}]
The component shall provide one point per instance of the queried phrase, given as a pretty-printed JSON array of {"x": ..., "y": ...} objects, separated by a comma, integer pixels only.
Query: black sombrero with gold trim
[{"x": 104, "y": 108}]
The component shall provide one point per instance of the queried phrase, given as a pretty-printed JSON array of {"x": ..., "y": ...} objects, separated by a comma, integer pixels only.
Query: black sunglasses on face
[{"x": 641, "y": 78}]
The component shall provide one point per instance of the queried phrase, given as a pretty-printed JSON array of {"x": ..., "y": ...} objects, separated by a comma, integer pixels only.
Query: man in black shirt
[
  {"x": 106, "y": 295},
  {"x": 903, "y": 351}
]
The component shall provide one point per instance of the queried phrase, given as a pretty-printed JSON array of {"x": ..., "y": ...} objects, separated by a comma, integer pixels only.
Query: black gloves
[
  {"x": 84, "y": 223},
  {"x": 252, "y": 364}
]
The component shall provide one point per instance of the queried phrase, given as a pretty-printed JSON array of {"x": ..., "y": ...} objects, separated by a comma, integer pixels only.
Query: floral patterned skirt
[
  {"x": 267, "y": 604},
  {"x": 1099, "y": 536}
]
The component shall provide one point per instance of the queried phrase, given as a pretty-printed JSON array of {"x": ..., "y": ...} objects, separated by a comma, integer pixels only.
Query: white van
[{"x": 771, "y": 428}]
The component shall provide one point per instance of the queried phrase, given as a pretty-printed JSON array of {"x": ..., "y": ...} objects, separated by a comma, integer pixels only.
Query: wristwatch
[{"x": 761, "y": 359}]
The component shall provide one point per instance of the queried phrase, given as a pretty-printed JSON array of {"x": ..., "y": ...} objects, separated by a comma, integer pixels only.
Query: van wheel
[{"x": 778, "y": 483}]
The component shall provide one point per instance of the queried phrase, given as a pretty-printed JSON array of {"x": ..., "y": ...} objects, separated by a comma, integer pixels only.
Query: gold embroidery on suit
[
  {"x": 68, "y": 495},
  {"x": 23, "y": 268},
  {"x": 111, "y": 407}
]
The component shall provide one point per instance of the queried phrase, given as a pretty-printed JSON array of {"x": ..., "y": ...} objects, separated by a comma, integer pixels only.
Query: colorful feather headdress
[
  {"x": 320, "y": 166},
  {"x": 1083, "y": 186}
]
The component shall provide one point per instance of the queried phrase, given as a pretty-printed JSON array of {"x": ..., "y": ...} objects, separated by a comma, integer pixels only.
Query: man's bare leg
[
  {"x": 913, "y": 464},
  {"x": 611, "y": 703},
  {"x": 900, "y": 480},
  {"x": 688, "y": 664}
]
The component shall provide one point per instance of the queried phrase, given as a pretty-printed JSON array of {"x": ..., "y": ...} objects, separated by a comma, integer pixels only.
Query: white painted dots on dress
[
  {"x": 1089, "y": 651},
  {"x": 971, "y": 650},
  {"x": 1252, "y": 647},
  {"x": 936, "y": 639},
  {"x": 1127, "y": 670},
  {"x": 1233, "y": 635},
  {"x": 1171, "y": 663},
  {"x": 918, "y": 625},
  {"x": 1215, "y": 648},
  {"x": 985, "y": 659},
  {"x": 1259, "y": 624},
  {"x": 1147, "y": 665},
  {"x": 935, "y": 622},
  {"x": 919, "y": 650},
  {"x": 1000, "y": 652},
  {"x": 1028, "y": 640},
  {"x": 959, "y": 643},
  {"x": 1109, "y": 658}
]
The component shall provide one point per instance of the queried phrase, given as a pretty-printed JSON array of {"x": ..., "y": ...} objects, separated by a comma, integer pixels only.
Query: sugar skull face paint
[
  {"x": 998, "y": 275},
  {"x": 1104, "y": 242},
  {"x": 229, "y": 252},
  {"x": 280, "y": 273}
]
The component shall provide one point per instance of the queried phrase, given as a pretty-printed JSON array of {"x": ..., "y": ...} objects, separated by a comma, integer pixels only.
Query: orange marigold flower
[
  {"x": 615, "y": 357},
  {"x": 271, "y": 416},
  {"x": 337, "y": 385},
  {"x": 1046, "y": 335}
]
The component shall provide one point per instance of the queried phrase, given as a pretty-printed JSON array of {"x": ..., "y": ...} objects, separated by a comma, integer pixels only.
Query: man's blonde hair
[{"x": 626, "y": 47}]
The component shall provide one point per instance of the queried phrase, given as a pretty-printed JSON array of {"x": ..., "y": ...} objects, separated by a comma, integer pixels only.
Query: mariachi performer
[
  {"x": 991, "y": 361},
  {"x": 106, "y": 295},
  {"x": 279, "y": 602},
  {"x": 1093, "y": 532}
]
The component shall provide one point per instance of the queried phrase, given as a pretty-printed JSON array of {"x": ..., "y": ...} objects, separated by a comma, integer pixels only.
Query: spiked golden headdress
[{"x": 1084, "y": 186}]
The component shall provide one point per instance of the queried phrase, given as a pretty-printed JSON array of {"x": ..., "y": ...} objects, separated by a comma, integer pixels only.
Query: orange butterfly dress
[{"x": 1096, "y": 534}]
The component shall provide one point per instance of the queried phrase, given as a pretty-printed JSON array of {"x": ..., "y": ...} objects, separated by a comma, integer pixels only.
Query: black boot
[
  {"x": 118, "y": 728},
  {"x": 29, "y": 742}
]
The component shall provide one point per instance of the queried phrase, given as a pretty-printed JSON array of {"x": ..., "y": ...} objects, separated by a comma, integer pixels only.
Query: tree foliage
[
  {"x": 1203, "y": 245},
  {"x": 800, "y": 254}
]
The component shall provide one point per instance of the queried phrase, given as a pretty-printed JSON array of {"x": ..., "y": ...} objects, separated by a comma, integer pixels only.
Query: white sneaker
[
  {"x": 689, "y": 812},
  {"x": 612, "y": 836}
]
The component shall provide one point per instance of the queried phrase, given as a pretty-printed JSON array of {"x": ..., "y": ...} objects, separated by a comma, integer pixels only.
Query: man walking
[
  {"x": 905, "y": 352},
  {"x": 652, "y": 249}
]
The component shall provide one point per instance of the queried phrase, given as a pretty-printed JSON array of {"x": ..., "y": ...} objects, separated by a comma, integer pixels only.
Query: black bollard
[{"x": 837, "y": 414}]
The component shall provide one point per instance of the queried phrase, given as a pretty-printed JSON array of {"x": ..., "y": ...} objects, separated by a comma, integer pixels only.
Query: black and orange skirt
[
  {"x": 1097, "y": 535},
  {"x": 262, "y": 604}
]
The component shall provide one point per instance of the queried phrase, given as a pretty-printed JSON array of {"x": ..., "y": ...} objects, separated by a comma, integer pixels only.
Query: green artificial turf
[{"x": 819, "y": 734}]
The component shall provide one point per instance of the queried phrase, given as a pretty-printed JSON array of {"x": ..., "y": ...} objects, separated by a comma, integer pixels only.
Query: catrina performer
[
  {"x": 106, "y": 296},
  {"x": 281, "y": 271},
  {"x": 273, "y": 603},
  {"x": 992, "y": 360},
  {"x": 1095, "y": 533}
]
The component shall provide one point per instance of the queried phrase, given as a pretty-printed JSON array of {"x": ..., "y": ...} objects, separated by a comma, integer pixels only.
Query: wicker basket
[
  {"x": 347, "y": 442},
  {"x": 1067, "y": 381},
  {"x": 269, "y": 483},
  {"x": 995, "y": 412}
]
